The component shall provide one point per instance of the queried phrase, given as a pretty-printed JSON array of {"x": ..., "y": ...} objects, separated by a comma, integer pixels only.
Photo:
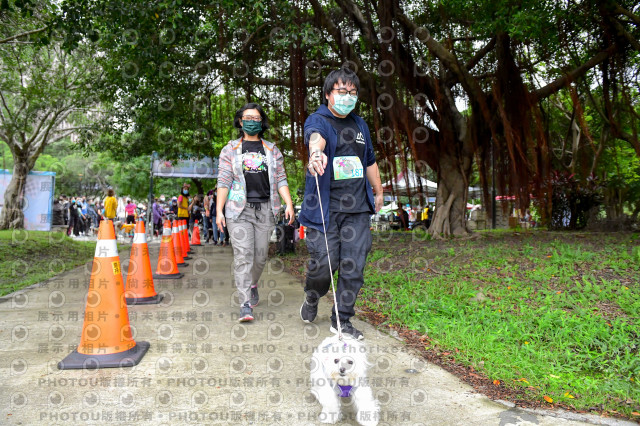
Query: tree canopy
[{"x": 512, "y": 89}]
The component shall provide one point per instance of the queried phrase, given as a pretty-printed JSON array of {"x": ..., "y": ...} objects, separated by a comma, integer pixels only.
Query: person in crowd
[
  {"x": 110, "y": 205},
  {"x": 74, "y": 214},
  {"x": 173, "y": 208},
  {"x": 251, "y": 183},
  {"x": 92, "y": 217},
  {"x": 183, "y": 202},
  {"x": 196, "y": 210},
  {"x": 83, "y": 216},
  {"x": 65, "y": 208},
  {"x": 219, "y": 237},
  {"x": 403, "y": 217},
  {"x": 208, "y": 228},
  {"x": 158, "y": 213},
  {"x": 100, "y": 210},
  {"x": 412, "y": 214},
  {"x": 342, "y": 159},
  {"x": 425, "y": 213},
  {"x": 526, "y": 219},
  {"x": 130, "y": 211},
  {"x": 57, "y": 217}
]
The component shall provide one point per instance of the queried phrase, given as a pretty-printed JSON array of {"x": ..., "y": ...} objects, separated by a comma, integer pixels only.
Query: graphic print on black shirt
[
  {"x": 348, "y": 186},
  {"x": 256, "y": 173}
]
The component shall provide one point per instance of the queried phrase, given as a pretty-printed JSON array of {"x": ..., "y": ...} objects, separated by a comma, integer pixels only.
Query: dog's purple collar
[{"x": 345, "y": 391}]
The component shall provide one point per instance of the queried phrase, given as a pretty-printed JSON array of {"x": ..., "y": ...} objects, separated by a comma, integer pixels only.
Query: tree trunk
[
  {"x": 451, "y": 199},
  {"x": 199, "y": 186},
  {"x": 12, "y": 216}
]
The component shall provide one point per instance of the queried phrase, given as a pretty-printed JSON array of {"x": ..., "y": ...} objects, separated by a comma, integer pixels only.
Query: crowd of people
[
  {"x": 407, "y": 217},
  {"x": 81, "y": 215}
]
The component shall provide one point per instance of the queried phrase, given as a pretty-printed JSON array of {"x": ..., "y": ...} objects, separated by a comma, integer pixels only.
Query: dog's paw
[{"x": 329, "y": 417}]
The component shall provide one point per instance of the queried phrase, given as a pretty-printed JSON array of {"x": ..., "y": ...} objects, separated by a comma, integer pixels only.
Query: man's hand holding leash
[{"x": 317, "y": 158}]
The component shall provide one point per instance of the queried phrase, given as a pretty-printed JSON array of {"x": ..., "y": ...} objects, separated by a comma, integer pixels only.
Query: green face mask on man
[{"x": 251, "y": 127}]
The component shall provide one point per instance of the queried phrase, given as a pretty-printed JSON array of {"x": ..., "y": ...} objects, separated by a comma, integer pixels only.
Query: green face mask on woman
[{"x": 251, "y": 128}]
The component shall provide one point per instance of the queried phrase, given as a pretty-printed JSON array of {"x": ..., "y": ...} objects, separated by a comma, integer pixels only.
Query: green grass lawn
[
  {"x": 554, "y": 315},
  {"x": 28, "y": 257}
]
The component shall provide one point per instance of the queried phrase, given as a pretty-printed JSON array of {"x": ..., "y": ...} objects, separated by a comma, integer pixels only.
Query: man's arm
[{"x": 373, "y": 174}]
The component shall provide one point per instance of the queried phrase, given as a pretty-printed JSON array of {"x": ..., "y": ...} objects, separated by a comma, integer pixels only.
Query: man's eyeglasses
[
  {"x": 342, "y": 91},
  {"x": 252, "y": 117}
]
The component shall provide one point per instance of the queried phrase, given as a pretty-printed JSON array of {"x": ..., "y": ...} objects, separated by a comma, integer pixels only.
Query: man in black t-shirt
[
  {"x": 341, "y": 154},
  {"x": 348, "y": 195}
]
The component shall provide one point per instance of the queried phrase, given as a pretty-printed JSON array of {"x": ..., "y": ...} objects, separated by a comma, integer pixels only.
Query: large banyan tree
[{"x": 445, "y": 84}]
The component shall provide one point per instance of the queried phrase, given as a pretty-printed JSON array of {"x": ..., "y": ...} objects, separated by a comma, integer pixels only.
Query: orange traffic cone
[
  {"x": 167, "y": 265},
  {"x": 106, "y": 339},
  {"x": 195, "y": 235},
  {"x": 301, "y": 232},
  {"x": 140, "y": 289},
  {"x": 186, "y": 248},
  {"x": 177, "y": 244}
]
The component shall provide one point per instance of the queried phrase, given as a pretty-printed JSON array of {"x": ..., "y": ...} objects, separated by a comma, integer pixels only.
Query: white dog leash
[{"x": 326, "y": 241}]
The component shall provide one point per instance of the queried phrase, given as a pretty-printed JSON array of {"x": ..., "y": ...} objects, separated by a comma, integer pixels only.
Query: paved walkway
[{"x": 206, "y": 368}]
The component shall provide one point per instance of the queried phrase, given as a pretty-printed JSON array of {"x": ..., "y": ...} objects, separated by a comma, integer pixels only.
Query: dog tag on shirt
[{"x": 347, "y": 167}]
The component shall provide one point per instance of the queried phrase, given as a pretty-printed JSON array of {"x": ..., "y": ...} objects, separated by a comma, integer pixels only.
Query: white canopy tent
[
  {"x": 389, "y": 208},
  {"x": 409, "y": 182},
  {"x": 405, "y": 183}
]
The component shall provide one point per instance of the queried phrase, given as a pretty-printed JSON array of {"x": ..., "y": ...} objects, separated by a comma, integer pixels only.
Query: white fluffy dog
[{"x": 338, "y": 370}]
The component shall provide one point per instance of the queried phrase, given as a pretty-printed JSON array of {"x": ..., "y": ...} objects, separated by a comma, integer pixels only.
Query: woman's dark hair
[
  {"x": 344, "y": 74},
  {"x": 237, "y": 120},
  {"x": 110, "y": 192}
]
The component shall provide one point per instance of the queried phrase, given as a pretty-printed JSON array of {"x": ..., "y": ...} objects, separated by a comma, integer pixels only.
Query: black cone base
[
  {"x": 151, "y": 300},
  {"x": 186, "y": 258},
  {"x": 182, "y": 264},
  {"x": 168, "y": 276},
  {"x": 129, "y": 358}
]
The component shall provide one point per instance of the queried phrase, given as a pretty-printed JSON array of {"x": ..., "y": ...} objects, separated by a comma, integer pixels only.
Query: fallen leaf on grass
[
  {"x": 568, "y": 395},
  {"x": 523, "y": 380},
  {"x": 635, "y": 413},
  {"x": 496, "y": 382},
  {"x": 548, "y": 399}
]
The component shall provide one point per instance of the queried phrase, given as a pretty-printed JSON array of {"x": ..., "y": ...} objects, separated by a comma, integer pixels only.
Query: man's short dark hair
[
  {"x": 238, "y": 118},
  {"x": 344, "y": 74}
]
